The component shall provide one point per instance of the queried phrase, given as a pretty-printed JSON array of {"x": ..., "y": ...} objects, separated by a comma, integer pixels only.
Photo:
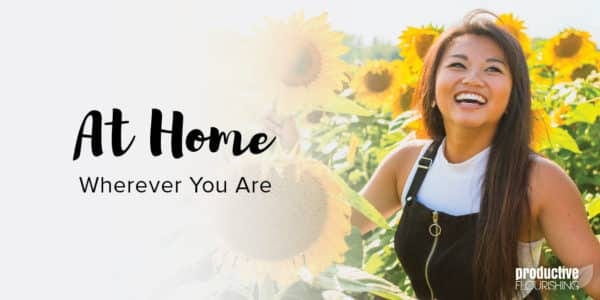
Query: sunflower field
[{"x": 352, "y": 103}]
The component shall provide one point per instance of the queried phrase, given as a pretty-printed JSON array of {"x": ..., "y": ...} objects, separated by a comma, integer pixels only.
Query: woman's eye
[
  {"x": 456, "y": 65},
  {"x": 495, "y": 69}
]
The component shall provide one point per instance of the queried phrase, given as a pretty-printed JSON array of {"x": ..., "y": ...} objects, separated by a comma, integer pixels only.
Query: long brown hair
[{"x": 504, "y": 201}]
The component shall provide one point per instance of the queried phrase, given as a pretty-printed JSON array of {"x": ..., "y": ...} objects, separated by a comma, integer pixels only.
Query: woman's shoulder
[
  {"x": 545, "y": 171},
  {"x": 407, "y": 152},
  {"x": 548, "y": 182},
  {"x": 400, "y": 160}
]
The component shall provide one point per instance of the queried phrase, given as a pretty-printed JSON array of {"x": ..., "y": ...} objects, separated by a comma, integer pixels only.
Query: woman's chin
[{"x": 469, "y": 122}]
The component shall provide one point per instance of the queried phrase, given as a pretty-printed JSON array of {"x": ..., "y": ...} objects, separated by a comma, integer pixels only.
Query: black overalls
[{"x": 435, "y": 248}]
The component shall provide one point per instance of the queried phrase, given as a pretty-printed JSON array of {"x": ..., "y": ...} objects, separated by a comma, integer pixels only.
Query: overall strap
[{"x": 424, "y": 163}]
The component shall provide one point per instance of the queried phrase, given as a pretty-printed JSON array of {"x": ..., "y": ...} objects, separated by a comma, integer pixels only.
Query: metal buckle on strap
[{"x": 425, "y": 162}]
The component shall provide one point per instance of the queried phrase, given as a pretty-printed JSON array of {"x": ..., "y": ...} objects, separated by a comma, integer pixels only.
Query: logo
[{"x": 556, "y": 278}]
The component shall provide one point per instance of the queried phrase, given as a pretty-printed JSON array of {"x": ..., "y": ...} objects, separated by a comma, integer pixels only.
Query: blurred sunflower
[
  {"x": 415, "y": 42},
  {"x": 517, "y": 28},
  {"x": 301, "y": 222},
  {"x": 540, "y": 128},
  {"x": 568, "y": 48},
  {"x": 403, "y": 102},
  {"x": 582, "y": 69},
  {"x": 300, "y": 62},
  {"x": 379, "y": 83}
]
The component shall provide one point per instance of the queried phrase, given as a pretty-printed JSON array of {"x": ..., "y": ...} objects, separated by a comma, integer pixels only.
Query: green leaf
[
  {"x": 593, "y": 208},
  {"x": 354, "y": 255},
  {"x": 560, "y": 138},
  {"x": 349, "y": 279},
  {"x": 379, "y": 239},
  {"x": 361, "y": 204},
  {"x": 381, "y": 261},
  {"x": 341, "y": 105},
  {"x": 585, "y": 112}
]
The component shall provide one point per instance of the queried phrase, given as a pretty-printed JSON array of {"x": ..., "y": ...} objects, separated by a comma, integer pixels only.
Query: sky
[{"x": 386, "y": 19}]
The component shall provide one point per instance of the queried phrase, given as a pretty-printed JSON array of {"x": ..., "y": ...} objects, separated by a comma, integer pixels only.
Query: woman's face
[{"x": 473, "y": 83}]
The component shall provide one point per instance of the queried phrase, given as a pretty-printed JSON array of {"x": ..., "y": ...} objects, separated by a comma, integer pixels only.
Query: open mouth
[{"x": 471, "y": 98}]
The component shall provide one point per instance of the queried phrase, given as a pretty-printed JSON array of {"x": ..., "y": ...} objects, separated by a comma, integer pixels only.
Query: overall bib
[{"x": 436, "y": 249}]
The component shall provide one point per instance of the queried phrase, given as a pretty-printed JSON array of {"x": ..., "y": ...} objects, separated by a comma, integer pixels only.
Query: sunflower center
[
  {"x": 282, "y": 224},
  {"x": 423, "y": 42},
  {"x": 302, "y": 65},
  {"x": 568, "y": 46},
  {"x": 583, "y": 71},
  {"x": 378, "y": 82}
]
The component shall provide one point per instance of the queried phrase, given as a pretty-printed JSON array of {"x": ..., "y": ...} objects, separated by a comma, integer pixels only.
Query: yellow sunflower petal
[{"x": 517, "y": 28}]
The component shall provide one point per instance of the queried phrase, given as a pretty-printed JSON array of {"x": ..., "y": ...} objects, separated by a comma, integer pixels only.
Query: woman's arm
[
  {"x": 563, "y": 220},
  {"x": 386, "y": 184}
]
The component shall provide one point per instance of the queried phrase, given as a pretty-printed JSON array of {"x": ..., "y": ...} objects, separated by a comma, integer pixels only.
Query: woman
[{"x": 477, "y": 201}]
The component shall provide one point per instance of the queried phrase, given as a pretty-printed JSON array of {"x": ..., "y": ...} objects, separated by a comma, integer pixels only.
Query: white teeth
[{"x": 471, "y": 96}]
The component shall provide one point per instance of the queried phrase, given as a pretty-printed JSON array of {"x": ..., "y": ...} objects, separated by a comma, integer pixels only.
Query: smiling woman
[
  {"x": 473, "y": 84},
  {"x": 477, "y": 202}
]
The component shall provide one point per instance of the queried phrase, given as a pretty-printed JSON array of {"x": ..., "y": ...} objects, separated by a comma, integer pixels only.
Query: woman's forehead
[{"x": 471, "y": 45}]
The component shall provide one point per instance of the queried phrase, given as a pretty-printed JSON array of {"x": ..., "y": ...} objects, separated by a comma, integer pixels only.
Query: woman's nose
[{"x": 472, "y": 78}]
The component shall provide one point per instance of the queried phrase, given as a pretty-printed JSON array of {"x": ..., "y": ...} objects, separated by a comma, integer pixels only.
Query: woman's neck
[{"x": 461, "y": 145}]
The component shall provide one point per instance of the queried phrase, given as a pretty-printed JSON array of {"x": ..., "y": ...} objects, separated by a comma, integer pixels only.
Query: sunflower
[
  {"x": 301, "y": 222},
  {"x": 580, "y": 70},
  {"x": 379, "y": 83},
  {"x": 403, "y": 102},
  {"x": 300, "y": 61},
  {"x": 568, "y": 48},
  {"x": 415, "y": 42},
  {"x": 516, "y": 27}
]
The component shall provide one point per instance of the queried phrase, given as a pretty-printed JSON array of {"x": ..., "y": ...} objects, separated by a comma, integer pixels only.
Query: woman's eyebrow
[
  {"x": 493, "y": 59},
  {"x": 461, "y": 56}
]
